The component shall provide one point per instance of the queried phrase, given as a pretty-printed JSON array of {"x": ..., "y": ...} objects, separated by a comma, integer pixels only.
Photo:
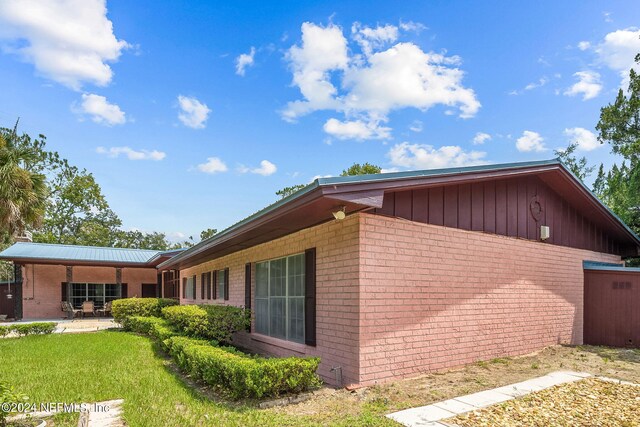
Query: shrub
[
  {"x": 36, "y": 328},
  {"x": 211, "y": 322},
  {"x": 127, "y": 307},
  {"x": 155, "y": 327},
  {"x": 4, "y": 331},
  {"x": 241, "y": 375},
  {"x": 8, "y": 395}
]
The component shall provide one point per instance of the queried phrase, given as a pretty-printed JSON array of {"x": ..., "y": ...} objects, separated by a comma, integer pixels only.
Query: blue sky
[{"x": 191, "y": 115}]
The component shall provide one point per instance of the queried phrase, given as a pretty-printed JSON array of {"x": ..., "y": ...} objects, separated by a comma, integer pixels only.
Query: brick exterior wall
[
  {"x": 433, "y": 297},
  {"x": 42, "y": 285},
  {"x": 337, "y": 262}
]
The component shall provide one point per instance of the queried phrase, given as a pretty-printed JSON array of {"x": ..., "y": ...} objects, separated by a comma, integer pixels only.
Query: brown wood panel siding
[
  {"x": 477, "y": 206},
  {"x": 464, "y": 206},
  {"x": 451, "y": 206},
  {"x": 612, "y": 308},
  {"x": 420, "y": 206},
  {"x": 489, "y": 207},
  {"x": 403, "y": 204},
  {"x": 500, "y": 207},
  {"x": 436, "y": 206}
]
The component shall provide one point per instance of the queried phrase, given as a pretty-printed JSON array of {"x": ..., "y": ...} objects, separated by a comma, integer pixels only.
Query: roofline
[
  {"x": 74, "y": 262},
  {"x": 603, "y": 266},
  {"x": 335, "y": 182}
]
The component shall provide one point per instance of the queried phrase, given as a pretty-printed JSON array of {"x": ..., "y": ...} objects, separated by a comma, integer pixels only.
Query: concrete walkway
[
  {"x": 430, "y": 416},
  {"x": 70, "y": 326}
]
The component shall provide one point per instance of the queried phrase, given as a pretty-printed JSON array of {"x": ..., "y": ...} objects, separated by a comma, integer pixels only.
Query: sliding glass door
[{"x": 99, "y": 293}]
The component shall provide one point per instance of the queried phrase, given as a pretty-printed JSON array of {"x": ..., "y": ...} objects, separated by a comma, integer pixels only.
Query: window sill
[{"x": 277, "y": 342}]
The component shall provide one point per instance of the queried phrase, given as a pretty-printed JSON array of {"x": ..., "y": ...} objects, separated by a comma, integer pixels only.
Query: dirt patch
[
  {"x": 588, "y": 402},
  {"x": 431, "y": 388}
]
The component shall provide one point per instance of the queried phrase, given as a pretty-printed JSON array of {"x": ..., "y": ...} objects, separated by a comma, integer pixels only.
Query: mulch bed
[{"x": 589, "y": 402}]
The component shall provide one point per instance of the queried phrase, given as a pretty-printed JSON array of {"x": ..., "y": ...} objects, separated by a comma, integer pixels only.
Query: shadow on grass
[
  {"x": 613, "y": 354},
  {"x": 197, "y": 389}
]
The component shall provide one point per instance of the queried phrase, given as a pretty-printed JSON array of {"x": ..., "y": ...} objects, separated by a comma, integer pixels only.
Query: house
[
  {"x": 52, "y": 273},
  {"x": 390, "y": 275}
]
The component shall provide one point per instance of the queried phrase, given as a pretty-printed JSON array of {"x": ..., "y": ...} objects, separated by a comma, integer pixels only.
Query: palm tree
[{"x": 23, "y": 193}]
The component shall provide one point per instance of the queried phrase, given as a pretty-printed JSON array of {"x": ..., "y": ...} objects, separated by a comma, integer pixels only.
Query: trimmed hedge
[
  {"x": 24, "y": 329},
  {"x": 211, "y": 322},
  {"x": 242, "y": 375},
  {"x": 127, "y": 307},
  {"x": 155, "y": 327}
]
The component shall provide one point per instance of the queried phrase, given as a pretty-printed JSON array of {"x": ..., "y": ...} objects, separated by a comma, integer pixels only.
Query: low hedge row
[
  {"x": 155, "y": 327},
  {"x": 211, "y": 322},
  {"x": 242, "y": 375},
  {"x": 22, "y": 330},
  {"x": 147, "y": 307}
]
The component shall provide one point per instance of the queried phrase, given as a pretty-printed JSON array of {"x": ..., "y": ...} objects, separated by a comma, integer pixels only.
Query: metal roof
[
  {"x": 320, "y": 186},
  {"x": 85, "y": 254},
  {"x": 605, "y": 266}
]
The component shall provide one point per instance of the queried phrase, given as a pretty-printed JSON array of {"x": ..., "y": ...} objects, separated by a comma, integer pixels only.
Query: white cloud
[
  {"x": 194, "y": 113},
  {"x": 373, "y": 38},
  {"x": 618, "y": 50},
  {"x": 68, "y": 41},
  {"x": 584, "y": 45},
  {"x": 131, "y": 153},
  {"x": 212, "y": 165},
  {"x": 530, "y": 141},
  {"x": 374, "y": 84},
  {"x": 356, "y": 129},
  {"x": 410, "y": 26},
  {"x": 586, "y": 140},
  {"x": 266, "y": 168},
  {"x": 416, "y": 126},
  {"x": 588, "y": 85},
  {"x": 323, "y": 49},
  {"x": 100, "y": 110},
  {"x": 533, "y": 85},
  {"x": 480, "y": 138},
  {"x": 245, "y": 60},
  {"x": 422, "y": 156}
]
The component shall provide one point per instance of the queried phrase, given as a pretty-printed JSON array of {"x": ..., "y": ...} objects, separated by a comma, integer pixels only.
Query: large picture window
[
  {"x": 279, "y": 299},
  {"x": 190, "y": 288},
  {"x": 99, "y": 293}
]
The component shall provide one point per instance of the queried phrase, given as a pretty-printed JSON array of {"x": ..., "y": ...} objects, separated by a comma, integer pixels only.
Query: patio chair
[
  {"x": 88, "y": 307},
  {"x": 106, "y": 309},
  {"x": 69, "y": 310}
]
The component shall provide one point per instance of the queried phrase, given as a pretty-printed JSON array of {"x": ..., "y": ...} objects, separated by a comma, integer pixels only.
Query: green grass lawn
[{"x": 94, "y": 367}]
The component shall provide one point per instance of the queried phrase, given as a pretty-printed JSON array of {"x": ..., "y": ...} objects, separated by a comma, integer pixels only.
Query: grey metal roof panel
[
  {"x": 26, "y": 250},
  {"x": 605, "y": 266}
]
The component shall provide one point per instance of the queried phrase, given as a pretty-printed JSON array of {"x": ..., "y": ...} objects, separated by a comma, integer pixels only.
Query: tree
[
  {"x": 209, "y": 232},
  {"x": 355, "y": 169},
  {"x": 361, "y": 169},
  {"x": 578, "y": 166},
  {"x": 23, "y": 189},
  {"x": 619, "y": 123},
  {"x": 619, "y": 126},
  {"x": 287, "y": 191},
  {"x": 77, "y": 211}
]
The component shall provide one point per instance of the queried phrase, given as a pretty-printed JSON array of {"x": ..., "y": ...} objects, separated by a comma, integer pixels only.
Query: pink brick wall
[
  {"x": 41, "y": 290},
  {"x": 433, "y": 297},
  {"x": 337, "y": 262}
]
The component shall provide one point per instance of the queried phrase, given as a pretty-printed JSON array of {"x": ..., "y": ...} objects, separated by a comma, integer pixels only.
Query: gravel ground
[{"x": 589, "y": 402}]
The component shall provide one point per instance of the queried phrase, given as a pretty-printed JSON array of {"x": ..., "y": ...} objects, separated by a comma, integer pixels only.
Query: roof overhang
[
  {"x": 70, "y": 262},
  {"x": 315, "y": 203}
]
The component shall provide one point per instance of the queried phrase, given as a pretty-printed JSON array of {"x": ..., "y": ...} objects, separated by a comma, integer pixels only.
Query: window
[
  {"x": 99, "y": 293},
  {"x": 279, "y": 300},
  {"x": 221, "y": 281},
  {"x": 190, "y": 288}
]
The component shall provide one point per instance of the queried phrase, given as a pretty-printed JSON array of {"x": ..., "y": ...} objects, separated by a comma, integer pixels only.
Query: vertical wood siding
[{"x": 500, "y": 207}]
